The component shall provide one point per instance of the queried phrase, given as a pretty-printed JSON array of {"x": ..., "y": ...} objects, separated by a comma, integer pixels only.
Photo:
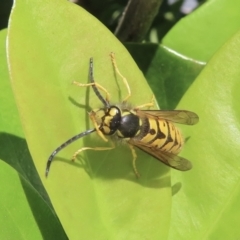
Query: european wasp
[{"x": 152, "y": 131}]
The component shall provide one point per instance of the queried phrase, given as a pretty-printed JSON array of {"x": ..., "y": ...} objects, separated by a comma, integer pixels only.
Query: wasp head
[{"x": 109, "y": 119}]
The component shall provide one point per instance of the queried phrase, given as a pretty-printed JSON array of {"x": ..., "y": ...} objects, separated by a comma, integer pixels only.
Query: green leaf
[
  {"x": 17, "y": 220},
  {"x": 200, "y": 34},
  {"x": 168, "y": 73},
  {"x": 14, "y": 148},
  {"x": 98, "y": 197},
  {"x": 206, "y": 206},
  {"x": 23, "y": 197},
  {"x": 23, "y": 211}
]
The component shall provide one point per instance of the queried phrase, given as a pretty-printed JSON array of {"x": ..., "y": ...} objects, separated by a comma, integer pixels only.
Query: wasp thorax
[
  {"x": 130, "y": 125},
  {"x": 111, "y": 120}
]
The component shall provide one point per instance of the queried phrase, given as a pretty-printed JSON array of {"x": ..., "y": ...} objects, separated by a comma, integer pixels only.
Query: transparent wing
[
  {"x": 177, "y": 116},
  {"x": 167, "y": 158}
]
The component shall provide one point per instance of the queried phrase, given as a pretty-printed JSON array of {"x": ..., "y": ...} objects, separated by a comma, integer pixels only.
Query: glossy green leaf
[
  {"x": 22, "y": 197},
  {"x": 98, "y": 196},
  {"x": 168, "y": 73},
  {"x": 200, "y": 34},
  {"x": 14, "y": 148},
  {"x": 23, "y": 210},
  {"x": 207, "y": 205},
  {"x": 16, "y": 219}
]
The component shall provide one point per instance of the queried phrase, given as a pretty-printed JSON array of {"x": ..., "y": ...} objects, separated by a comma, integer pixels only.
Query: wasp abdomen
[{"x": 160, "y": 134}]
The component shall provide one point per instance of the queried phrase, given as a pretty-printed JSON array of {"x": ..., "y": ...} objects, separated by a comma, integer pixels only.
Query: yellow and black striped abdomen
[{"x": 160, "y": 134}]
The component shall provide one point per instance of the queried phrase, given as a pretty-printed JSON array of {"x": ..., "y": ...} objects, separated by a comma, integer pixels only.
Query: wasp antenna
[
  {"x": 95, "y": 89},
  {"x": 80, "y": 135}
]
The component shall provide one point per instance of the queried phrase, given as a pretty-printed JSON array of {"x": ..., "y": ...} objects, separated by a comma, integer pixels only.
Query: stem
[{"x": 136, "y": 20}]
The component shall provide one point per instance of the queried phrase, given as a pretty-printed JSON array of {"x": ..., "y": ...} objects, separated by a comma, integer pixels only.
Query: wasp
[{"x": 152, "y": 131}]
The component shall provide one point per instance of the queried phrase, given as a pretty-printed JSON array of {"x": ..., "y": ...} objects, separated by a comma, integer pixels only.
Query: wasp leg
[
  {"x": 92, "y": 117},
  {"x": 150, "y": 104},
  {"x": 134, "y": 160},
  {"x": 112, "y": 55},
  {"x": 89, "y": 148},
  {"x": 92, "y": 84}
]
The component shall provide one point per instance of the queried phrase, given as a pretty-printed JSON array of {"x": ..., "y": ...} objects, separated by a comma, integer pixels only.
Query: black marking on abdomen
[
  {"x": 179, "y": 143},
  {"x": 152, "y": 131},
  {"x": 160, "y": 134},
  {"x": 169, "y": 137},
  {"x": 175, "y": 141}
]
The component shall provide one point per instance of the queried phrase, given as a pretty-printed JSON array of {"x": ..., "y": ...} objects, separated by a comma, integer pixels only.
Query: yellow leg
[
  {"x": 92, "y": 117},
  {"x": 134, "y": 160},
  {"x": 123, "y": 78},
  {"x": 89, "y": 148},
  {"x": 150, "y": 104},
  {"x": 97, "y": 85}
]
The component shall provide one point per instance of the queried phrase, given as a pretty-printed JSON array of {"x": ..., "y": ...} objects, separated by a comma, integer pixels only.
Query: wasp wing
[
  {"x": 167, "y": 158},
  {"x": 177, "y": 116}
]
